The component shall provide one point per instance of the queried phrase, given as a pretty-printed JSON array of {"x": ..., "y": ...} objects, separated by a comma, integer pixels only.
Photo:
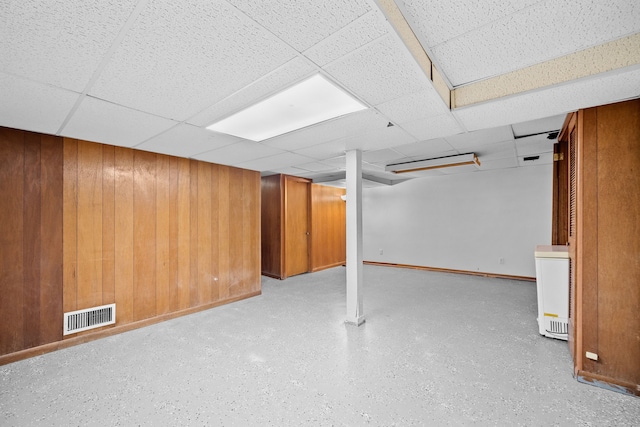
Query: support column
[{"x": 355, "y": 314}]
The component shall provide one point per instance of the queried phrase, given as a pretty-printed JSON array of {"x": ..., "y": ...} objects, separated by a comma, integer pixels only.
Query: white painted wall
[{"x": 462, "y": 222}]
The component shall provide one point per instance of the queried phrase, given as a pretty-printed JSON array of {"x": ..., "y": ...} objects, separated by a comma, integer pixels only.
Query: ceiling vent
[{"x": 470, "y": 160}]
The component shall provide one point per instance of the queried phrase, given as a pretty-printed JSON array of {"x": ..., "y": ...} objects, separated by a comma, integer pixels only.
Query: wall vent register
[{"x": 89, "y": 318}]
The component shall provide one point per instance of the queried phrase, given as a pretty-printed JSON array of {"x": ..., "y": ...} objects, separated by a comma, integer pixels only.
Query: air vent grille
[{"x": 90, "y": 318}]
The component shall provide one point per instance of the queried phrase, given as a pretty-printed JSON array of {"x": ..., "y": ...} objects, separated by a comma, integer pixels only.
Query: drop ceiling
[{"x": 153, "y": 74}]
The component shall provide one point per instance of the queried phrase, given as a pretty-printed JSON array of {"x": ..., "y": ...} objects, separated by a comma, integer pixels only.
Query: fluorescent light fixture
[
  {"x": 440, "y": 162},
  {"x": 312, "y": 101}
]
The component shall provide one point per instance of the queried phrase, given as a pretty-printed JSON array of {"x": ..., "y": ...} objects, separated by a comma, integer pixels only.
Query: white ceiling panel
[
  {"x": 303, "y": 24},
  {"x": 533, "y": 127},
  {"x": 544, "y": 31},
  {"x": 500, "y": 150},
  {"x": 278, "y": 80},
  {"x": 282, "y": 160},
  {"x": 534, "y": 145},
  {"x": 330, "y": 130},
  {"x": 556, "y": 100},
  {"x": 377, "y": 138},
  {"x": 414, "y": 106},
  {"x": 384, "y": 156},
  {"x": 426, "y": 149},
  {"x": 468, "y": 141},
  {"x": 315, "y": 167},
  {"x": 179, "y": 58},
  {"x": 380, "y": 72},
  {"x": 503, "y": 163},
  {"x": 358, "y": 33},
  {"x": 112, "y": 124},
  {"x": 33, "y": 106},
  {"x": 324, "y": 151},
  {"x": 436, "y": 21},
  {"x": 240, "y": 152},
  {"x": 433, "y": 127},
  {"x": 544, "y": 159},
  {"x": 185, "y": 141},
  {"x": 60, "y": 43}
]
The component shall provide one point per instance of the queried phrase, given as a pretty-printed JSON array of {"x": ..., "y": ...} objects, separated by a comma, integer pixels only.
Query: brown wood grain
[
  {"x": 174, "y": 284},
  {"x": 184, "y": 232},
  {"x": 224, "y": 232},
  {"x": 144, "y": 235},
  {"x": 252, "y": 260},
  {"x": 70, "y": 225},
  {"x": 31, "y": 239},
  {"x": 618, "y": 241},
  {"x": 248, "y": 206},
  {"x": 124, "y": 235},
  {"x": 193, "y": 237},
  {"x": 236, "y": 233},
  {"x": 297, "y": 227},
  {"x": 51, "y": 231},
  {"x": 163, "y": 231},
  {"x": 271, "y": 227},
  {"x": 328, "y": 227},
  {"x": 11, "y": 240},
  {"x": 204, "y": 233},
  {"x": 89, "y": 291},
  {"x": 215, "y": 232},
  {"x": 108, "y": 225}
]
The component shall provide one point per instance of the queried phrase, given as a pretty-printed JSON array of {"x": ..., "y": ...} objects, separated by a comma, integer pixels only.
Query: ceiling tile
[
  {"x": 179, "y": 58},
  {"x": 380, "y": 72},
  {"x": 324, "y": 151},
  {"x": 33, "y": 106},
  {"x": 186, "y": 141},
  {"x": 503, "y": 163},
  {"x": 378, "y": 138},
  {"x": 426, "y": 149},
  {"x": 433, "y": 127},
  {"x": 107, "y": 123},
  {"x": 500, "y": 150},
  {"x": 384, "y": 156},
  {"x": 303, "y": 24},
  {"x": 240, "y": 152},
  {"x": 545, "y": 159},
  {"x": 436, "y": 21},
  {"x": 546, "y": 30},
  {"x": 274, "y": 162},
  {"x": 358, "y": 33},
  {"x": 471, "y": 140},
  {"x": 533, "y": 127},
  {"x": 316, "y": 167},
  {"x": 60, "y": 43},
  {"x": 414, "y": 106},
  {"x": 293, "y": 71},
  {"x": 534, "y": 145},
  {"x": 330, "y": 130},
  {"x": 556, "y": 100}
]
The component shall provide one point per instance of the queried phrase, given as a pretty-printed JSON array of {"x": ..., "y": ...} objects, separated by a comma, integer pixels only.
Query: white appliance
[{"x": 552, "y": 278}]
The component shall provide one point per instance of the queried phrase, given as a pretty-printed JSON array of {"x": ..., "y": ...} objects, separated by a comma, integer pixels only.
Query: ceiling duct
[{"x": 469, "y": 159}]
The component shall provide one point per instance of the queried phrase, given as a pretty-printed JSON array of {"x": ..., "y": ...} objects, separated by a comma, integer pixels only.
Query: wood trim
[
  {"x": 608, "y": 383},
  {"x": 449, "y": 270},
  {"x": 109, "y": 331}
]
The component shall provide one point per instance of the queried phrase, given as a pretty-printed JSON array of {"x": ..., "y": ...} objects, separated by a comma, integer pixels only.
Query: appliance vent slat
[{"x": 89, "y": 318}]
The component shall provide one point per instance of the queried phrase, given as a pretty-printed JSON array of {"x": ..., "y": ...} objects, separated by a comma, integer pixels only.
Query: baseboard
[
  {"x": 449, "y": 270},
  {"x": 325, "y": 267},
  {"x": 113, "y": 330},
  {"x": 608, "y": 383}
]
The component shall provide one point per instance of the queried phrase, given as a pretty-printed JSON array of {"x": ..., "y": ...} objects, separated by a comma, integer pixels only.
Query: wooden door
[{"x": 296, "y": 226}]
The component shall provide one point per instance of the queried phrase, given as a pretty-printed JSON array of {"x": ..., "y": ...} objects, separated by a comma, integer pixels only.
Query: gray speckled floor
[{"x": 436, "y": 349}]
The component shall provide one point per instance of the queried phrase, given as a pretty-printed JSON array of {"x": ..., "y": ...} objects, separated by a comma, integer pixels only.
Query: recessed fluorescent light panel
[{"x": 312, "y": 101}]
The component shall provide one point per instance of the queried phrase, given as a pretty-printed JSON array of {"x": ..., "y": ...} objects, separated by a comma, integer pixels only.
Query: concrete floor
[{"x": 436, "y": 349}]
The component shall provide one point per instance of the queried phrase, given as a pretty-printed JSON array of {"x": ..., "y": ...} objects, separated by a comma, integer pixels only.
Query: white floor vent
[{"x": 89, "y": 318}]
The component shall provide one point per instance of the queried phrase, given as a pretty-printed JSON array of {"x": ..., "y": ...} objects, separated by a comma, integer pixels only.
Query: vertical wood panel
[
  {"x": 31, "y": 243},
  {"x": 296, "y": 225},
  {"x": 51, "y": 260},
  {"x": 144, "y": 235},
  {"x": 124, "y": 234},
  {"x": 184, "y": 232},
  {"x": 215, "y": 233},
  {"x": 254, "y": 265},
  {"x": 271, "y": 209},
  {"x": 193, "y": 237},
  {"x": 163, "y": 292},
  {"x": 204, "y": 232},
  {"x": 70, "y": 225},
  {"x": 108, "y": 224},
  {"x": 328, "y": 227},
  {"x": 174, "y": 284},
  {"x": 236, "y": 233},
  {"x": 251, "y": 231},
  {"x": 89, "y": 224},
  {"x": 11, "y": 240},
  {"x": 223, "y": 241}
]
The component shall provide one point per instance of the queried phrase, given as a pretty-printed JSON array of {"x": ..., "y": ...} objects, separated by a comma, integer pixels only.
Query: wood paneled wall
[
  {"x": 155, "y": 234},
  {"x": 30, "y": 240},
  {"x": 328, "y": 227},
  {"x": 272, "y": 225}
]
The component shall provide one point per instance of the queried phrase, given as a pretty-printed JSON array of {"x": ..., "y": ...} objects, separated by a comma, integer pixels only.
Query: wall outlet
[
  {"x": 381, "y": 251},
  {"x": 501, "y": 260}
]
